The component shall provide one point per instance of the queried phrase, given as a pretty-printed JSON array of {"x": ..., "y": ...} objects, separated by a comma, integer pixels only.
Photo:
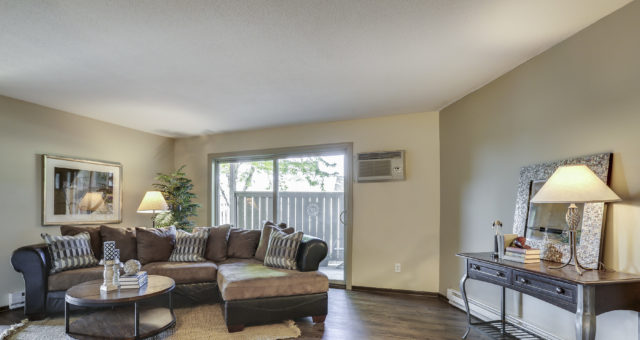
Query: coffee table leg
[
  {"x": 136, "y": 321},
  {"x": 171, "y": 302},
  {"x": 66, "y": 317}
]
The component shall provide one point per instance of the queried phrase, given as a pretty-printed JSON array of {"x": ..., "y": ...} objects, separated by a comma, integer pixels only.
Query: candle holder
[
  {"x": 116, "y": 269},
  {"x": 109, "y": 282},
  {"x": 108, "y": 276}
]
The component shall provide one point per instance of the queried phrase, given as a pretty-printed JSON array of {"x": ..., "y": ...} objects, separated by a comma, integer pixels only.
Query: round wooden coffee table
[{"x": 125, "y": 319}]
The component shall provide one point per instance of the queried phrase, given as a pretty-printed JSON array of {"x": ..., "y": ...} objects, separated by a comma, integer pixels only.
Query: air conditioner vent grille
[
  {"x": 379, "y": 155},
  {"x": 375, "y": 168}
]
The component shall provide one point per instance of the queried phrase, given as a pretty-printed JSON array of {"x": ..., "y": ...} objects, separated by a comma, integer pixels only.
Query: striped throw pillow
[
  {"x": 189, "y": 247},
  {"x": 282, "y": 250},
  {"x": 70, "y": 252}
]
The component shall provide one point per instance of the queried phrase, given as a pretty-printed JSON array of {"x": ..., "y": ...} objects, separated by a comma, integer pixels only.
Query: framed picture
[
  {"x": 544, "y": 225},
  {"x": 78, "y": 191}
]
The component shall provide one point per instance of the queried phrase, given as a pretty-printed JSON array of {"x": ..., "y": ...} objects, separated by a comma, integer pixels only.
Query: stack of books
[
  {"x": 133, "y": 281},
  {"x": 522, "y": 255}
]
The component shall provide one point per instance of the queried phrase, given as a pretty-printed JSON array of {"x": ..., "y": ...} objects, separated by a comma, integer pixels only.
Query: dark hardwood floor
[{"x": 372, "y": 315}]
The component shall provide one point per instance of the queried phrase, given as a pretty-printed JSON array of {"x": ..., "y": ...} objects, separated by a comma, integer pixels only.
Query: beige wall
[
  {"x": 580, "y": 97},
  {"x": 28, "y": 131},
  {"x": 394, "y": 222}
]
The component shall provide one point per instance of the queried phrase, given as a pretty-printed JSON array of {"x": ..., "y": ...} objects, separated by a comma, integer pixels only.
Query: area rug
[{"x": 193, "y": 323}]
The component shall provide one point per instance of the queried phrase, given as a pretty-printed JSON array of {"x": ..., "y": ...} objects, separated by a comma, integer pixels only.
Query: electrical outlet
[{"x": 398, "y": 269}]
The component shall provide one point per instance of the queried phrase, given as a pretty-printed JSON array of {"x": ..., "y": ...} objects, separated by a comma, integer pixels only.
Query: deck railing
[{"x": 314, "y": 213}]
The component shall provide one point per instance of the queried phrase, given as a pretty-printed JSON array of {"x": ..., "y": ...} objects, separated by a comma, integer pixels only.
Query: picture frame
[
  {"x": 544, "y": 226},
  {"x": 80, "y": 191}
]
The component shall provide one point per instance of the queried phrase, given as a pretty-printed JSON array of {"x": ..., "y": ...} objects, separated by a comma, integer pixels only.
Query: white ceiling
[{"x": 181, "y": 68}]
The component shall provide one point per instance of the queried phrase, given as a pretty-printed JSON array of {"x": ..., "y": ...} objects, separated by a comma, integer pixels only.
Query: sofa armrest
[
  {"x": 33, "y": 262},
  {"x": 311, "y": 252}
]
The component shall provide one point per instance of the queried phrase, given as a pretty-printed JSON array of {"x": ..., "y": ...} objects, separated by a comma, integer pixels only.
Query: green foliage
[
  {"x": 308, "y": 167},
  {"x": 176, "y": 189}
]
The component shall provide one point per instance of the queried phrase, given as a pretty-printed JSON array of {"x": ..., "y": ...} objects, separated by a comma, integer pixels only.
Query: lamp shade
[
  {"x": 91, "y": 201},
  {"x": 152, "y": 203},
  {"x": 574, "y": 184}
]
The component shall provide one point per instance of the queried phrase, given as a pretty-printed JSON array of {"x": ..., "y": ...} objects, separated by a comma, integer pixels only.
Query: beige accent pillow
[
  {"x": 283, "y": 250},
  {"x": 264, "y": 239},
  {"x": 94, "y": 233}
]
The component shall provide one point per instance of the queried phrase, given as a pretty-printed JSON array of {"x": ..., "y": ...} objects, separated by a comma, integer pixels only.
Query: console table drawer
[
  {"x": 544, "y": 288},
  {"x": 489, "y": 272}
]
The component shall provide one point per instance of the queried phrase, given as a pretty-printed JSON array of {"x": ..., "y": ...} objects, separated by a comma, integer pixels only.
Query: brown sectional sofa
[{"x": 251, "y": 292}]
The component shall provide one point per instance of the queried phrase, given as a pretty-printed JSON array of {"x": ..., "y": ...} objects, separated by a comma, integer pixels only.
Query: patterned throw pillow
[
  {"x": 70, "y": 252},
  {"x": 282, "y": 250},
  {"x": 189, "y": 247},
  {"x": 264, "y": 239}
]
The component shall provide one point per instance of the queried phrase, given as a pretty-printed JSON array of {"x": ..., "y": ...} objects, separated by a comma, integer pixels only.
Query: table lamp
[
  {"x": 574, "y": 184},
  {"x": 153, "y": 203}
]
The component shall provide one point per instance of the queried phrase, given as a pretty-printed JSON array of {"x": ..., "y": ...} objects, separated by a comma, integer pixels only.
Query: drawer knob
[
  {"x": 559, "y": 290},
  {"x": 500, "y": 274},
  {"x": 475, "y": 266},
  {"x": 523, "y": 280}
]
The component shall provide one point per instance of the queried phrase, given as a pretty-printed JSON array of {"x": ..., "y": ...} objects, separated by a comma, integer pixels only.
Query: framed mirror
[{"x": 544, "y": 225}]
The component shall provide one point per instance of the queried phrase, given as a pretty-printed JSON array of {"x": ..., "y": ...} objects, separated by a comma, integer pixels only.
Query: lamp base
[
  {"x": 153, "y": 220},
  {"x": 574, "y": 256},
  {"x": 573, "y": 219}
]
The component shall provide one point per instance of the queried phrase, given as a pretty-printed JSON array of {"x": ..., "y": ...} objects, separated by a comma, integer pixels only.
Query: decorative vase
[{"x": 131, "y": 267}]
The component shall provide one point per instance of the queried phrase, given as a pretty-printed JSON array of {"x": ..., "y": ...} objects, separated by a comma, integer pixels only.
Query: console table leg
[
  {"x": 463, "y": 291},
  {"x": 503, "y": 319},
  {"x": 586, "y": 313}
]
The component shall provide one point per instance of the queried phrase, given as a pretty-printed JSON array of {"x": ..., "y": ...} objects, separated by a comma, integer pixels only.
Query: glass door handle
[{"x": 342, "y": 216}]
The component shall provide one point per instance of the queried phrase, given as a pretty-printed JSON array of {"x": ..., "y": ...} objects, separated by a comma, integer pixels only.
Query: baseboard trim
[
  {"x": 485, "y": 312},
  {"x": 337, "y": 285},
  {"x": 394, "y": 291}
]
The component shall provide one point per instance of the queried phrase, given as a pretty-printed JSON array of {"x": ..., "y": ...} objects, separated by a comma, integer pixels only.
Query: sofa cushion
[
  {"x": 125, "y": 239},
  {"x": 250, "y": 279},
  {"x": 264, "y": 239},
  {"x": 94, "y": 233},
  {"x": 217, "y": 242},
  {"x": 282, "y": 250},
  {"x": 184, "y": 272},
  {"x": 155, "y": 244},
  {"x": 189, "y": 247},
  {"x": 242, "y": 243},
  {"x": 69, "y": 252},
  {"x": 67, "y": 279}
]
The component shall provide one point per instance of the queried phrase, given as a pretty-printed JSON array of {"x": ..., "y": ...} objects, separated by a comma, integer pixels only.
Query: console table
[{"x": 587, "y": 295}]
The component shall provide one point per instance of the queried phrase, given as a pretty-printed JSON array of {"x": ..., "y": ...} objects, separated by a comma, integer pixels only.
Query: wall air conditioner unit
[{"x": 380, "y": 166}]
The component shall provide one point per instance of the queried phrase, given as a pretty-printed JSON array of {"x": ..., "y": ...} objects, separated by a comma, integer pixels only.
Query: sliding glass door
[
  {"x": 302, "y": 189},
  {"x": 311, "y": 197}
]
